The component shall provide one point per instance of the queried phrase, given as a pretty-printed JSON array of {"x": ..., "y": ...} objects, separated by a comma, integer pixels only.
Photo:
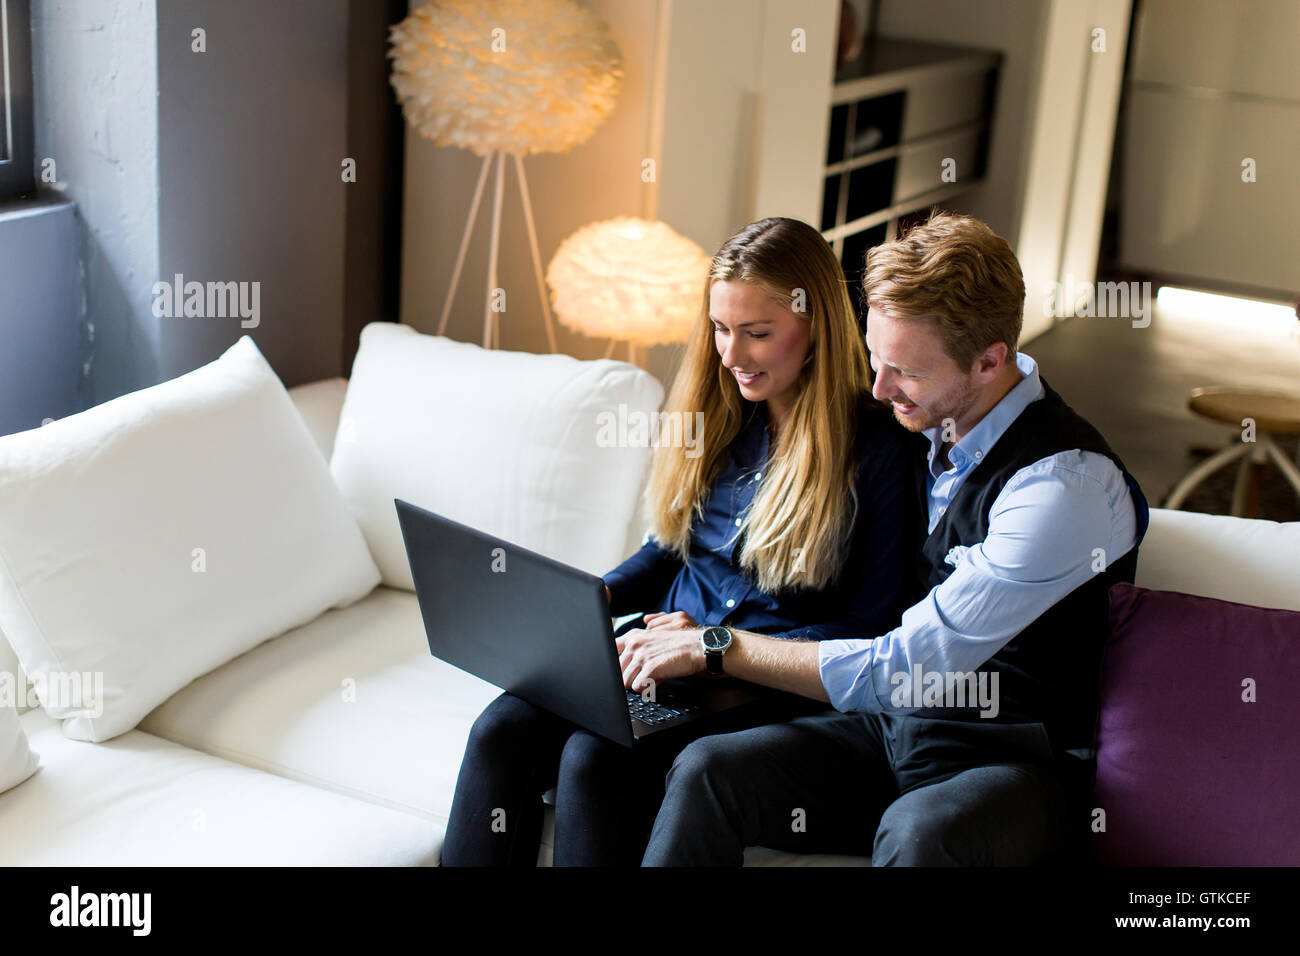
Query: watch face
[{"x": 716, "y": 638}]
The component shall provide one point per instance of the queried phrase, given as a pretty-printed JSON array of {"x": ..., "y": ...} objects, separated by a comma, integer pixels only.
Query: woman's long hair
[{"x": 798, "y": 527}]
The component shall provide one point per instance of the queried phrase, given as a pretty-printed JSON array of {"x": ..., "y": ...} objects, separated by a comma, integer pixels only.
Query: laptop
[{"x": 541, "y": 630}]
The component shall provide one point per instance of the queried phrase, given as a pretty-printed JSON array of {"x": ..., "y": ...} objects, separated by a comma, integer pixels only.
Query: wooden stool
[{"x": 1274, "y": 413}]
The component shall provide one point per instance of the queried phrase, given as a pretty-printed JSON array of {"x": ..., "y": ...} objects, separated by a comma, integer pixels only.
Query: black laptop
[{"x": 541, "y": 630}]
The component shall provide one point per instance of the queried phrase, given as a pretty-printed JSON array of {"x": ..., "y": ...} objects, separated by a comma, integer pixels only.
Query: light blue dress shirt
[{"x": 1053, "y": 525}]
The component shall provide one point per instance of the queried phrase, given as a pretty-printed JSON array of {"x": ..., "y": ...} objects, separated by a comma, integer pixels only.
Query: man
[{"x": 964, "y": 735}]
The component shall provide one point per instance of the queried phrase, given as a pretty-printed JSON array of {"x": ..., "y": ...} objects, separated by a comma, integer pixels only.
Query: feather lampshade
[
  {"x": 516, "y": 76},
  {"x": 630, "y": 279}
]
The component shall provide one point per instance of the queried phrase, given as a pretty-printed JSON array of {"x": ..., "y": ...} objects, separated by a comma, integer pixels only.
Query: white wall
[
  {"x": 1054, "y": 122},
  {"x": 1072, "y": 132},
  {"x": 793, "y": 94},
  {"x": 711, "y": 119},
  {"x": 1212, "y": 84}
]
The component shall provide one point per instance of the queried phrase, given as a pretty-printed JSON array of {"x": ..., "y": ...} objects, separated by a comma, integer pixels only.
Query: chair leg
[{"x": 1188, "y": 483}]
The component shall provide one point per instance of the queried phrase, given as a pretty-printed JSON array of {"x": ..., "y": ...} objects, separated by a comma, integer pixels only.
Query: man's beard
[{"x": 952, "y": 408}]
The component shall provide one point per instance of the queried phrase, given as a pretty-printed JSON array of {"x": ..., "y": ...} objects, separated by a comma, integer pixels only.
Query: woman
[{"x": 794, "y": 517}]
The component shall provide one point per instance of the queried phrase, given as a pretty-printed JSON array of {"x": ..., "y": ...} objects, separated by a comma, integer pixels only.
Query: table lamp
[{"x": 634, "y": 280}]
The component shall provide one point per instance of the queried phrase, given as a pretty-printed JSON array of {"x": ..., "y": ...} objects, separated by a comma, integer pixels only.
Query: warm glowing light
[
  {"x": 629, "y": 279},
  {"x": 1223, "y": 308},
  {"x": 522, "y": 76}
]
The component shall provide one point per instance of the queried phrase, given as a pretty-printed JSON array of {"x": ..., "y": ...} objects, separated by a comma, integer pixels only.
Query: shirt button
[
  {"x": 758, "y": 475},
  {"x": 979, "y": 455},
  {"x": 737, "y": 522},
  {"x": 731, "y": 602}
]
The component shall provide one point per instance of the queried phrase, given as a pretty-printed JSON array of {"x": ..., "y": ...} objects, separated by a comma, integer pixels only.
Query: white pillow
[
  {"x": 506, "y": 442},
  {"x": 9, "y": 665},
  {"x": 150, "y": 539},
  {"x": 17, "y": 762}
]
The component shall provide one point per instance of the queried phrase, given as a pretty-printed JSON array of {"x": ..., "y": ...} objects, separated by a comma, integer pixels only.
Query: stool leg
[
  {"x": 1241, "y": 486},
  {"x": 1284, "y": 465},
  {"x": 1187, "y": 484}
]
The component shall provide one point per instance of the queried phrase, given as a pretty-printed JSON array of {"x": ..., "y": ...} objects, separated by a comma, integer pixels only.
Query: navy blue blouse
[{"x": 866, "y": 600}]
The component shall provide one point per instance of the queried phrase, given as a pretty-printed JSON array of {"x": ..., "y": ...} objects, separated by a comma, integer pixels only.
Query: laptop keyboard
[{"x": 657, "y": 712}]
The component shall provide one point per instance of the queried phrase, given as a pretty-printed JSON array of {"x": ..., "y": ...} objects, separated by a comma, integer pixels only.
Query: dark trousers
[
  {"x": 902, "y": 790},
  {"x": 607, "y": 795}
]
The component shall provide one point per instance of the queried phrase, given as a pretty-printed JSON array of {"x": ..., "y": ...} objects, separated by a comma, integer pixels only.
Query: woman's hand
[
  {"x": 648, "y": 657},
  {"x": 669, "y": 620}
]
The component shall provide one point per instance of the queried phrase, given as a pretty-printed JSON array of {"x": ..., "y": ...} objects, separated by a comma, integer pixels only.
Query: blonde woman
[{"x": 795, "y": 518}]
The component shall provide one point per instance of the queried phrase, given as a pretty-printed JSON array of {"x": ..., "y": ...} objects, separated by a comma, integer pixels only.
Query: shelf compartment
[
  {"x": 920, "y": 167},
  {"x": 942, "y": 104},
  {"x": 870, "y": 188}
]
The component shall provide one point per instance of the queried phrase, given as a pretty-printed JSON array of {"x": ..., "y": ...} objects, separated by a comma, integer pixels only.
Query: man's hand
[
  {"x": 659, "y": 654},
  {"x": 671, "y": 620}
]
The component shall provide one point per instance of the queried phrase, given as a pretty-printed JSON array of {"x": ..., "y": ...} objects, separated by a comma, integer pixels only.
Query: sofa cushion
[
  {"x": 1197, "y": 763},
  {"x": 138, "y": 800},
  {"x": 150, "y": 539},
  {"x": 319, "y": 403},
  {"x": 507, "y": 442},
  {"x": 352, "y": 702},
  {"x": 17, "y": 761},
  {"x": 1233, "y": 559}
]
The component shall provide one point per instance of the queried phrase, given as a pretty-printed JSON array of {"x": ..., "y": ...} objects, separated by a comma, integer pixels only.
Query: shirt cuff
[{"x": 845, "y": 668}]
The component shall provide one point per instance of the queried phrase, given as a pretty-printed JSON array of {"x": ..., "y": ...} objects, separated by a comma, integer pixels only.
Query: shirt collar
[
  {"x": 749, "y": 447},
  {"x": 977, "y": 442}
]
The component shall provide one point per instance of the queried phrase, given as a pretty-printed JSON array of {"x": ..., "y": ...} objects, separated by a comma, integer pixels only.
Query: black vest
[{"x": 1049, "y": 672}]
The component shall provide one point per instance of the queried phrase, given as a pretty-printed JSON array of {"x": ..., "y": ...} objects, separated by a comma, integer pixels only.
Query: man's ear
[{"x": 990, "y": 363}]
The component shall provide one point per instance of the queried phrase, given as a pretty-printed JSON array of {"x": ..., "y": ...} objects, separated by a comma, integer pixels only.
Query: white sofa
[{"x": 262, "y": 761}]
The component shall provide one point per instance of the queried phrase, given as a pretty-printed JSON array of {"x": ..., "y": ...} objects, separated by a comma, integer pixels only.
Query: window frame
[{"x": 17, "y": 159}]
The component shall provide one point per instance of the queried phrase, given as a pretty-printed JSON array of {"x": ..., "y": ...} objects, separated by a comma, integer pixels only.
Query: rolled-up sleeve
[{"x": 1055, "y": 524}]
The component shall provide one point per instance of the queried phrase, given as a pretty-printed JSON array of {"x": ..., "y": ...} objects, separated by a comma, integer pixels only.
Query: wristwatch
[{"x": 715, "y": 641}]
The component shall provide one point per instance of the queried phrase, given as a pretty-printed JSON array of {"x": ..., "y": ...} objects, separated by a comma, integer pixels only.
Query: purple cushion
[{"x": 1189, "y": 773}]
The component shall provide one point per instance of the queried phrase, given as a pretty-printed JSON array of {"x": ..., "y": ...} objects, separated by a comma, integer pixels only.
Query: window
[{"x": 16, "y": 164}]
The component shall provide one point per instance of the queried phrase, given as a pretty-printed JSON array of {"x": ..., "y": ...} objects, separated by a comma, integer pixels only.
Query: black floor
[{"x": 1133, "y": 385}]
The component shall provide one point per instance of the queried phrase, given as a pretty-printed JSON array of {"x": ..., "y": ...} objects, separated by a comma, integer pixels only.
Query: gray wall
[
  {"x": 40, "y": 303},
  {"x": 223, "y": 166},
  {"x": 251, "y": 136},
  {"x": 95, "y": 80},
  {"x": 376, "y": 135}
]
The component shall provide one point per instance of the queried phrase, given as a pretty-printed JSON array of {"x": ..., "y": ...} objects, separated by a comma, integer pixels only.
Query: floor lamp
[
  {"x": 491, "y": 323},
  {"x": 502, "y": 78}
]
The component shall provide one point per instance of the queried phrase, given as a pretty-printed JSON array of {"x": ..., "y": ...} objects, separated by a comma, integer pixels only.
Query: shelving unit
[{"x": 897, "y": 113}]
